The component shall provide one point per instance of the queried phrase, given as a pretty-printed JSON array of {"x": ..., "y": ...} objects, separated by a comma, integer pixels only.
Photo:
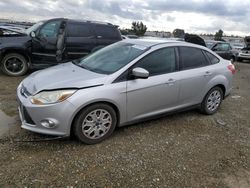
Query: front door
[
  {"x": 44, "y": 45},
  {"x": 158, "y": 93},
  {"x": 223, "y": 50}
]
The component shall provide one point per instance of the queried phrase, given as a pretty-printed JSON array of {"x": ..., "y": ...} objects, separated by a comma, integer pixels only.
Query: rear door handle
[
  {"x": 99, "y": 37},
  {"x": 170, "y": 81},
  {"x": 208, "y": 73}
]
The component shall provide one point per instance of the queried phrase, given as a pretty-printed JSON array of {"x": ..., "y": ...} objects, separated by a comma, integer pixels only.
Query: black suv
[
  {"x": 51, "y": 42},
  {"x": 223, "y": 49}
]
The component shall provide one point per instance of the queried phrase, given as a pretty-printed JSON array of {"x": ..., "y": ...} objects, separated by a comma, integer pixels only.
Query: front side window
[
  {"x": 34, "y": 27},
  {"x": 222, "y": 47},
  {"x": 159, "y": 62},
  {"x": 111, "y": 58},
  {"x": 50, "y": 29},
  {"x": 191, "y": 58}
]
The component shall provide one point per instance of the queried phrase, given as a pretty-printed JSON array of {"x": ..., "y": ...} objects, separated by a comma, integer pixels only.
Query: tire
[
  {"x": 90, "y": 128},
  {"x": 214, "y": 97},
  {"x": 14, "y": 64}
]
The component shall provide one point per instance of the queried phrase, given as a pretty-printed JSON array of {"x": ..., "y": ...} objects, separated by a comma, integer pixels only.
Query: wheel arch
[
  {"x": 20, "y": 51},
  {"x": 115, "y": 107},
  {"x": 223, "y": 88}
]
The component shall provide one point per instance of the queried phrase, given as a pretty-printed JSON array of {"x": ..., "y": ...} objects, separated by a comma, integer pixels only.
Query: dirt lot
[{"x": 183, "y": 150}]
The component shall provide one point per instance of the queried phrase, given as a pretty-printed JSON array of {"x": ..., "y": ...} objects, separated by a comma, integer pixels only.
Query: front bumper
[{"x": 32, "y": 115}]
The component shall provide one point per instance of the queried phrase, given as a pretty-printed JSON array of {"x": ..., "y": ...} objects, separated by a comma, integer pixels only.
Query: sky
[{"x": 194, "y": 16}]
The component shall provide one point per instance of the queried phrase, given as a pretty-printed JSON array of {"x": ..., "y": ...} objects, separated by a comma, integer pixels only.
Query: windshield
[
  {"x": 111, "y": 58},
  {"x": 209, "y": 44},
  {"x": 34, "y": 27}
]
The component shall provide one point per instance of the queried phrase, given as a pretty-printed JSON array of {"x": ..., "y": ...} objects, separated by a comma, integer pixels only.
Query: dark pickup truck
[{"x": 52, "y": 42}]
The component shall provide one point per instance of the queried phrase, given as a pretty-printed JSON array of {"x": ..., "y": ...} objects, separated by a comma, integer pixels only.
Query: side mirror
[
  {"x": 140, "y": 73},
  {"x": 33, "y": 34}
]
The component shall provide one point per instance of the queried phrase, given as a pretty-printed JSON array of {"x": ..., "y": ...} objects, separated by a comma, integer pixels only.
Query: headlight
[{"x": 49, "y": 97}]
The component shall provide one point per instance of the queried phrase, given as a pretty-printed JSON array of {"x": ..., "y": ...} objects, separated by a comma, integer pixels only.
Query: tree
[
  {"x": 179, "y": 33},
  {"x": 218, "y": 35},
  {"x": 139, "y": 28}
]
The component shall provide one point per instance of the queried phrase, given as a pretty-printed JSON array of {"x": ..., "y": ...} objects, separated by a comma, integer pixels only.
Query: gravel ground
[{"x": 182, "y": 150}]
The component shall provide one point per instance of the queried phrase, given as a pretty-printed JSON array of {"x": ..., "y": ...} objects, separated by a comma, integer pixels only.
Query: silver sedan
[{"x": 127, "y": 82}]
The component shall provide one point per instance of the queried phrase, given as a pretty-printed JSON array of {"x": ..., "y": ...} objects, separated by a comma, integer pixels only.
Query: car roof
[
  {"x": 151, "y": 42},
  {"x": 80, "y": 20},
  {"x": 90, "y": 21},
  {"x": 157, "y": 41}
]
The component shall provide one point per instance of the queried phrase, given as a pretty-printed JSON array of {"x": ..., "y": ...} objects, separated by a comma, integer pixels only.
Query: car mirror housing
[
  {"x": 33, "y": 34},
  {"x": 140, "y": 73}
]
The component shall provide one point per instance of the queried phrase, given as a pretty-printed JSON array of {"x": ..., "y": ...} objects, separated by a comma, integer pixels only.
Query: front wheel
[
  {"x": 212, "y": 101},
  {"x": 95, "y": 123},
  {"x": 14, "y": 64}
]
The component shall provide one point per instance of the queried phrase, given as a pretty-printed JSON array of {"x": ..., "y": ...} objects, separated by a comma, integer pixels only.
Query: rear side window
[
  {"x": 159, "y": 62},
  {"x": 79, "y": 30},
  {"x": 106, "y": 31},
  {"x": 212, "y": 58},
  {"x": 191, "y": 58}
]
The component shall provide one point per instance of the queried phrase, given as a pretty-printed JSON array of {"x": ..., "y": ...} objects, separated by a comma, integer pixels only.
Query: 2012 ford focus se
[{"x": 123, "y": 83}]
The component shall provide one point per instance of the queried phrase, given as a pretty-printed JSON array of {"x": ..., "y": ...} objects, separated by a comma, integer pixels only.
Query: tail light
[{"x": 231, "y": 67}]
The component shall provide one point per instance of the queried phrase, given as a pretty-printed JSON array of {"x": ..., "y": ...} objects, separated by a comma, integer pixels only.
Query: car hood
[{"x": 62, "y": 76}]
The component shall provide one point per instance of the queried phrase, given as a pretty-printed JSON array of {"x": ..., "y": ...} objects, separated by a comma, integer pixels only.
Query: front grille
[{"x": 27, "y": 117}]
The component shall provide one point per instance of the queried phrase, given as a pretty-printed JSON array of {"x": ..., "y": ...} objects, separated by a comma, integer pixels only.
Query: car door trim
[{"x": 43, "y": 54}]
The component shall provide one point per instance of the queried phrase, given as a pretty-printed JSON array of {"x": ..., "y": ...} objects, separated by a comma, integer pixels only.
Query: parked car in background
[
  {"x": 124, "y": 37},
  {"x": 237, "y": 46},
  {"x": 132, "y": 36},
  {"x": 244, "y": 53},
  {"x": 223, "y": 49},
  {"x": 121, "y": 84},
  {"x": 51, "y": 42}
]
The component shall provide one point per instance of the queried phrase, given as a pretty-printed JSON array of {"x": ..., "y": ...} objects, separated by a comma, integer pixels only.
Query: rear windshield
[{"x": 111, "y": 58}]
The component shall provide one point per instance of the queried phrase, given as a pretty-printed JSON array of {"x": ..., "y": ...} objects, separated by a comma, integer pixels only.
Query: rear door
[
  {"x": 159, "y": 92},
  {"x": 44, "y": 45},
  {"x": 195, "y": 73},
  {"x": 80, "y": 39},
  {"x": 106, "y": 34}
]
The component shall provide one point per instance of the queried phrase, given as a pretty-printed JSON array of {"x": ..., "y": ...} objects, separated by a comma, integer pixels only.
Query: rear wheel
[
  {"x": 95, "y": 123},
  {"x": 212, "y": 101},
  {"x": 14, "y": 64}
]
